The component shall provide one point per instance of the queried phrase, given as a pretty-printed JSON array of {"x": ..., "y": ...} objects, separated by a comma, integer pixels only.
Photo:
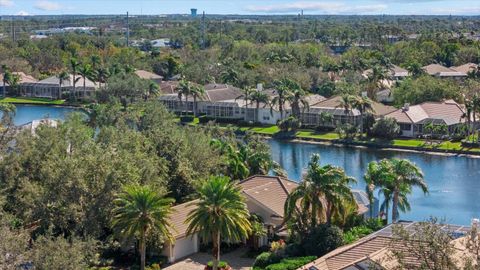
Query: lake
[
  {"x": 454, "y": 181},
  {"x": 28, "y": 113}
]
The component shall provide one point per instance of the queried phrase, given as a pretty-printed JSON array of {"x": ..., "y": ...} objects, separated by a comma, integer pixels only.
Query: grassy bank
[
  {"x": 414, "y": 144},
  {"x": 39, "y": 101}
]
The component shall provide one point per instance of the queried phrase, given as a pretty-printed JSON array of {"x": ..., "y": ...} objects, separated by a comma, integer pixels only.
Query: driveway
[{"x": 198, "y": 261}]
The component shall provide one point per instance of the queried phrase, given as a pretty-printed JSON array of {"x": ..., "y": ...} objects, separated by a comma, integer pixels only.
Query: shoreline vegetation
[{"x": 309, "y": 135}]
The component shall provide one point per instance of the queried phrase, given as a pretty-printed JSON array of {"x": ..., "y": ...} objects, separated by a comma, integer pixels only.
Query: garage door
[{"x": 185, "y": 247}]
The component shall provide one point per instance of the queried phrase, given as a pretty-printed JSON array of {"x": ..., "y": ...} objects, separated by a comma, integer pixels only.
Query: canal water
[{"x": 454, "y": 181}]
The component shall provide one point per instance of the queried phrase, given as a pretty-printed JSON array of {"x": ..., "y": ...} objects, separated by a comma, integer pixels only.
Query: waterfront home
[
  {"x": 375, "y": 251},
  {"x": 147, "y": 75},
  {"x": 50, "y": 88},
  {"x": 315, "y": 115},
  {"x": 218, "y": 100},
  {"x": 443, "y": 72},
  {"x": 23, "y": 78},
  {"x": 413, "y": 119},
  {"x": 265, "y": 197}
]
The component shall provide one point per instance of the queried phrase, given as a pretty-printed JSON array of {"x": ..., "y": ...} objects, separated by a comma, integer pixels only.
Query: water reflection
[{"x": 454, "y": 181}]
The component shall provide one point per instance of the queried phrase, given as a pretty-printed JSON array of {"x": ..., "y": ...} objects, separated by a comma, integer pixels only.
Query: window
[{"x": 406, "y": 127}]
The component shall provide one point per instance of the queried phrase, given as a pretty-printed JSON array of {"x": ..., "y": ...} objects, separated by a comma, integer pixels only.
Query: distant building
[
  {"x": 443, "y": 72},
  {"x": 193, "y": 12}
]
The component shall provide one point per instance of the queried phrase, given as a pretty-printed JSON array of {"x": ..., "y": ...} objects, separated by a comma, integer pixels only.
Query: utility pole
[
  {"x": 128, "y": 32},
  {"x": 203, "y": 30},
  {"x": 13, "y": 29}
]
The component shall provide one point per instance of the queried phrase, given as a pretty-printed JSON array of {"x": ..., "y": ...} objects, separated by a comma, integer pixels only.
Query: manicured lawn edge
[
  {"x": 32, "y": 101},
  {"x": 403, "y": 144}
]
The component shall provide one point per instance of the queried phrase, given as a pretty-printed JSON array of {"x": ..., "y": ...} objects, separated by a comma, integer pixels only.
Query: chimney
[
  {"x": 406, "y": 107},
  {"x": 259, "y": 87}
]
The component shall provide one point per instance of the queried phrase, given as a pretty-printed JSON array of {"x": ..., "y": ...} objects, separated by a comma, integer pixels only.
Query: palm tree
[
  {"x": 259, "y": 97},
  {"x": 395, "y": 177},
  {"x": 346, "y": 102},
  {"x": 13, "y": 80},
  {"x": 95, "y": 60},
  {"x": 230, "y": 76},
  {"x": 415, "y": 69},
  {"x": 62, "y": 76},
  {"x": 363, "y": 105},
  {"x": 324, "y": 192},
  {"x": 138, "y": 211},
  {"x": 325, "y": 117},
  {"x": 197, "y": 91},
  {"x": 284, "y": 91},
  {"x": 297, "y": 97},
  {"x": 247, "y": 92},
  {"x": 220, "y": 213},
  {"x": 74, "y": 65},
  {"x": 184, "y": 89},
  {"x": 86, "y": 72},
  {"x": 6, "y": 76},
  {"x": 152, "y": 90},
  {"x": 102, "y": 76},
  {"x": 8, "y": 111}
]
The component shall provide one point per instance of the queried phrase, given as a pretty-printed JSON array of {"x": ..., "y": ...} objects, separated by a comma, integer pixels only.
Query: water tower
[{"x": 193, "y": 12}]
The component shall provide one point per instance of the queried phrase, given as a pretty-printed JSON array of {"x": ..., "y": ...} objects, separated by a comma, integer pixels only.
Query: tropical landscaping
[{"x": 101, "y": 189}]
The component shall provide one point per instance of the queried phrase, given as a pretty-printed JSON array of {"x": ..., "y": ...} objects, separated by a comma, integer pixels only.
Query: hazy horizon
[{"x": 246, "y": 7}]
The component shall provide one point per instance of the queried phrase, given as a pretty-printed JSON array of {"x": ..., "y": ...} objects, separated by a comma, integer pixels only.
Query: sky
[{"x": 310, "y": 7}]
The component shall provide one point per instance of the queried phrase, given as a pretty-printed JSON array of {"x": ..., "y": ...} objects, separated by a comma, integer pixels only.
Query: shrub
[
  {"x": 293, "y": 250},
  {"x": 221, "y": 264},
  {"x": 386, "y": 128},
  {"x": 322, "y": 239},
  {"x": 356, "y": 233},
  {"x": 265, "y": 259},
  {"x": 291, "y": 263},
  {"x": 186, "y": 118},
  {"x": 346, "y": 131}
]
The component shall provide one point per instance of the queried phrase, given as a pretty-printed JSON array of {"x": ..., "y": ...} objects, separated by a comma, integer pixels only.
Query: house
[
  {"x": 395, "y": 72},
  {"x": 147, "y": 75},
  {"x": 313, "y": 116},
  {"x": 375, "y": 251},
  {"x": 412, "y": 119},
  {"x": 443, "y": 72},
  {"x": 466, "y": 68},
  {"x": 265, "y": 197},
  {"x": 23, "y": 78},
  {"x": 50, "y": 88}
]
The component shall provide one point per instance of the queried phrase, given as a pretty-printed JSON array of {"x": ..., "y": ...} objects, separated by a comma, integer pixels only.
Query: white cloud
[
  {"x": 6, "y": 3},
  {"x": 23, "y": 13},
  {"x": 47, "y": 6},
  {"x": 320, "y": 7}
]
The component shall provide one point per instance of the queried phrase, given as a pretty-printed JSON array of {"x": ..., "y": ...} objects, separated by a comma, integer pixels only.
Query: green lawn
[
  {"x": 44, "y": 101},
  {"x": 310, "y": 134},
  {"x": 271, "y": 130}
]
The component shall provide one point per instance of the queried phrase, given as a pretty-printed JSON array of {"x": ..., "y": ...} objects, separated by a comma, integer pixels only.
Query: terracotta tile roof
[
  {"x": 178, "y": 217},
  {"x": 24, "y": 78},
  {"x": 466, "y": 68},
  {"x": 376, "y": 249},
  {"x": 449, "y": 112},
  {"x": 269, "y": 191},
  {"x": 221, "y": 92},
  {"x": 333, "y": 103},
  {"x": 439, "y": 70},
  {"x": 148, "y": 75},
  {"x": 168, "y": 87},
  {"x": 69, "y": 82}
]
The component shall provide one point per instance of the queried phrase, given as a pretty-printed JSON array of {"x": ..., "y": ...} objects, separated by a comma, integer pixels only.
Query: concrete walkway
[{"x": 199, "y": 260}]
